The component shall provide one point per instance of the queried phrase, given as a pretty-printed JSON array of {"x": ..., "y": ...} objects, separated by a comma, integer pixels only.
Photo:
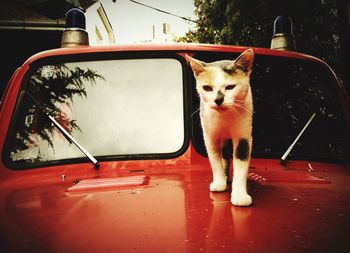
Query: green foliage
[
  {"x": 250, "y": 23},
  {"x": 53, "y": 92}
]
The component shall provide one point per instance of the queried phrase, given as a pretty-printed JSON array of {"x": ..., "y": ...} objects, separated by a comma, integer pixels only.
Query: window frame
[{"x": 98, "y": 56}]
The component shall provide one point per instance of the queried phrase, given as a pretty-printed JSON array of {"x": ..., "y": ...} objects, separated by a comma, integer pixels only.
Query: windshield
[
  {"x": 111, "y": 107},
  {"x": 286, "y": 93},
  {"x": 134, "y": 108}
]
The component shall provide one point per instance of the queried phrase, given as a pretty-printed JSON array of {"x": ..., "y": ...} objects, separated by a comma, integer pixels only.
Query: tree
[
  {"x": 52, "y": 91},
  {"x": 250, "y": 23}
]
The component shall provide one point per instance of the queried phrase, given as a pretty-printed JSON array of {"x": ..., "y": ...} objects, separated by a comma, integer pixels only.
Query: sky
[{"x": 134, "y": 23}]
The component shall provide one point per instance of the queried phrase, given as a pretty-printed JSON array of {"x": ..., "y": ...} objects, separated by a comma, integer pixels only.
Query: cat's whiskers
[
  {"x": 236, "y": 114},
  {"x": 238, "y": 103},
  {"x": 194, "y": 113},
  {"x": 235, "y": 104},
  {"x": 229, "y": 107},
  {"x": 242, "y": 107}
]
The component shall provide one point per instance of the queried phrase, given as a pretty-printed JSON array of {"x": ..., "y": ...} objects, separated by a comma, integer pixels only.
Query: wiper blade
[
  {"x": 283, "y": 158},
  {"x": 64, "y": 132}
]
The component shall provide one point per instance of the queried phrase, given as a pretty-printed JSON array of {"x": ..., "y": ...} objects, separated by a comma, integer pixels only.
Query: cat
[{"x": 226, "y": 112}]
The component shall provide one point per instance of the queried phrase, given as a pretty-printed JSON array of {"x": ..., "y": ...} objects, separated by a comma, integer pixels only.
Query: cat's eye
[
  {"x": 207, "y": 88},
  {"x": 230, "y": 87}
]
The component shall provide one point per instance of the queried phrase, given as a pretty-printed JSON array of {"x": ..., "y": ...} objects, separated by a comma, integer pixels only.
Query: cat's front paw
[
  {"x": 218, "y": 186},
  {"x": 241, "y": 199}
]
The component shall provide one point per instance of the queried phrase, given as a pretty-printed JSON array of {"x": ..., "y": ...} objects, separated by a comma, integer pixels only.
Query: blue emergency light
[
  {"x": 283, "y": 38},
  {"x": 75, "y": 34},
  {"x": 75, "y": 18},
  {"x": 282, "y": 24}
]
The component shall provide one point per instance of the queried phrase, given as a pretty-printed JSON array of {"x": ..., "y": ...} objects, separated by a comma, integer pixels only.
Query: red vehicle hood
[{"x": 294, "y": 210}]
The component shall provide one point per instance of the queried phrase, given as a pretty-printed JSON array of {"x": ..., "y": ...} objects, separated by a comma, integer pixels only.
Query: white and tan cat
[{"x": 226, "y": 109}]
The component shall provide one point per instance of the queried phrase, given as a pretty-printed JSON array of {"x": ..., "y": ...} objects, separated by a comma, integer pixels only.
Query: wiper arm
[
  {"x": 283, "y": 158},
  {"x": 64, "y": 132}
]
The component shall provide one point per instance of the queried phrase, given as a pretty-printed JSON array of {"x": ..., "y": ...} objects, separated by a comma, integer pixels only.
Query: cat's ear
[
  {"x": 244, "y": 62},
  {"x": 196, "y": 65}
]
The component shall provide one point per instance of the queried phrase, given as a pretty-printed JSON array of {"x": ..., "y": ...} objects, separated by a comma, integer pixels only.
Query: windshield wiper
[
  {"x": 64, "y": 132},
  {"x": 283, "y": 158}
]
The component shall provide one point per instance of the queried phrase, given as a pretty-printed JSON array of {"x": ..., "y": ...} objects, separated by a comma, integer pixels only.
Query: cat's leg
[
  {"x": 241, "y": 159},
  {"x": 226, "y": 157},
  {"x": 214, "y": 151},
  {"x": 226, "y": 166}
]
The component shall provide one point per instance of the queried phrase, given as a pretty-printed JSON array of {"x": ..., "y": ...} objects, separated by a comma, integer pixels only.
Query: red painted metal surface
[
  {"x": 166, "y": 205},
  {"x": 175, "y": 212}
]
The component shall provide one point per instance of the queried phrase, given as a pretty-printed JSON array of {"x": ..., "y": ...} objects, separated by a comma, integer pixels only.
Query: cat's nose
[{"x": 219, "y": 98}]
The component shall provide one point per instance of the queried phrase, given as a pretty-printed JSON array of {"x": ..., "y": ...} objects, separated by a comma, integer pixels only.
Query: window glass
[{"x": 111, "y": 107}]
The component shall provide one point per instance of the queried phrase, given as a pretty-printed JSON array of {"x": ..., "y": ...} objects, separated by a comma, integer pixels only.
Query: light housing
[
  {"x": 283, "y": 38},
  {"x": 75, "y": 34}
]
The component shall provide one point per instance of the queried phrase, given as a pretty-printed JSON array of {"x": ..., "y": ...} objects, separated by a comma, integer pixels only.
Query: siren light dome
[
  {"x": 283, "y": 24},
  {"x": 75, "y": 18},
  {"x": 75, "y": 34},
  {"x": 283, "y": 38}
]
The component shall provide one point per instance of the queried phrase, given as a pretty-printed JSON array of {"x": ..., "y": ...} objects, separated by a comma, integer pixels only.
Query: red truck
[{"x": 102, "y": 151}]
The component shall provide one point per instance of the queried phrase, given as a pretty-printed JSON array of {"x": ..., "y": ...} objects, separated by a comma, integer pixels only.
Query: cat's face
[{"x": 223, "y": 84}]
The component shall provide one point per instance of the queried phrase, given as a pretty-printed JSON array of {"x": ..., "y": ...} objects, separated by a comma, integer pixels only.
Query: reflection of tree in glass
[{"x": 55, "y": 91}]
